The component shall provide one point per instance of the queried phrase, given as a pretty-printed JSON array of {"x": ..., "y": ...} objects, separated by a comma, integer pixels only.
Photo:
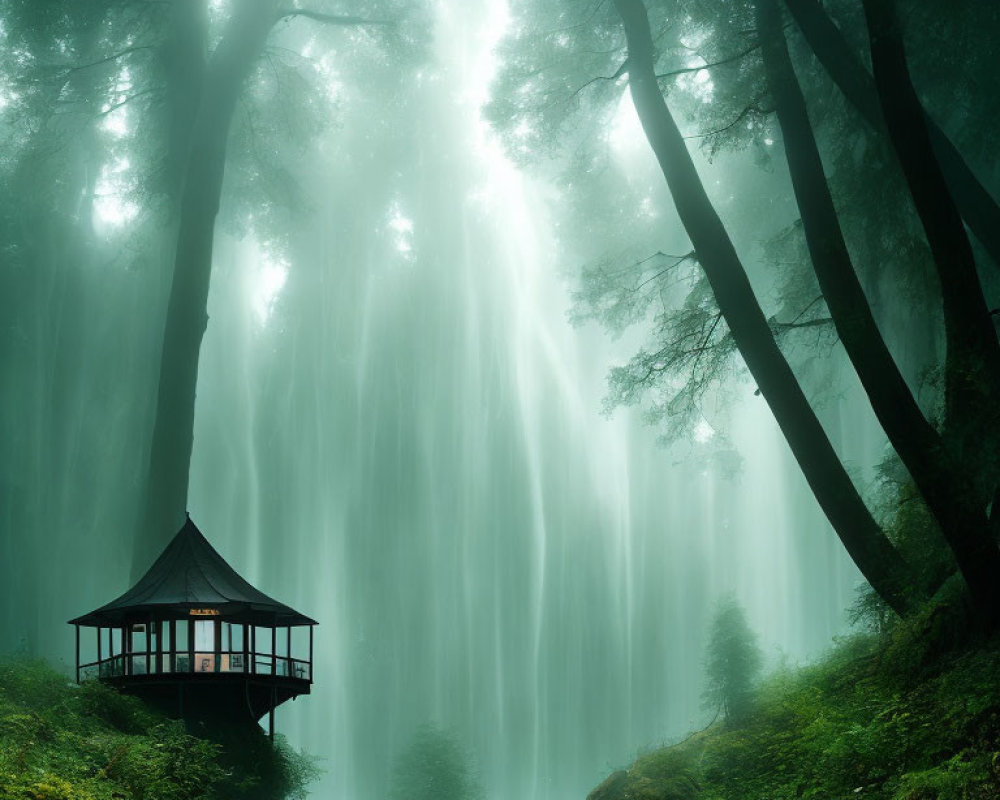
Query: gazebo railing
[{"x": 227, "y": 662}]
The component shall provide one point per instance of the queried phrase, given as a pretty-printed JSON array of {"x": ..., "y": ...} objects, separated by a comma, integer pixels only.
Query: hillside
[
  {"x": 59, "y": 741},
  {"x": 907, "y": 716}
]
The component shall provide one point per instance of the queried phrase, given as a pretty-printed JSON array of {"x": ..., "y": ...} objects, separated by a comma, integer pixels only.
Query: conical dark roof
[{"x": 191, "y": 574}]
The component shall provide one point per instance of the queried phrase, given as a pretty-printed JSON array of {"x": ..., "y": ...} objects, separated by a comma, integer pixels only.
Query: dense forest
[{"x": 352, "y": 283}]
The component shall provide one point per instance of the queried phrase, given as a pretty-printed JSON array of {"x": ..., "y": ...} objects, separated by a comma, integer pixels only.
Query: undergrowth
[
  {"x": 60, "y": 741},
  {"x": 911, "y": 715}
]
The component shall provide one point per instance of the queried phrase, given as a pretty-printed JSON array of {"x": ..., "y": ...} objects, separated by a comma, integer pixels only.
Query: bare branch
[
  {"x": 753, "y": 108},
  {"x": 812, "y": 323},
  {"x": 63, "y": 71},
  {"x": 618, "y": 73},
  {"x": 704, "y": 343},
  {"x": 330, "y": 19},
  {"x": 126, "y": 101},
  {"x": 729, "y": 60}
]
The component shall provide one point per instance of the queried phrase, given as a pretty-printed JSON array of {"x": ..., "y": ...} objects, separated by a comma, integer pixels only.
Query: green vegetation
[
  {"x": 732, "y": 662},
  {"x": 434, "y": 766},
  {"x": 59, "y": 741},
  {"x": 905, "y": 716}
]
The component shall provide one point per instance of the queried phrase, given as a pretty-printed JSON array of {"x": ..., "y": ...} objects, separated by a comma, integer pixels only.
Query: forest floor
[
  {"x": 60, "y": 741},
  {"x": 910, "y": 715}
]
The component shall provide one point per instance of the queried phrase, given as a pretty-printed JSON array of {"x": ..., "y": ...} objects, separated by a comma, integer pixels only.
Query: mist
[{"x": 399, "y": 429}]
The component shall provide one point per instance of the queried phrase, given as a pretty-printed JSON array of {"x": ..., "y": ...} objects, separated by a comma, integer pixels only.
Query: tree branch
[
  {"x": 329, "y": 19},
  {"x": 750, "y": 109},
  {"x": 729, "y": 60},
  {"x": 60, "y": 72},
  {"x": 126, "y": 101},
  {"x": 618, "y": 73}
]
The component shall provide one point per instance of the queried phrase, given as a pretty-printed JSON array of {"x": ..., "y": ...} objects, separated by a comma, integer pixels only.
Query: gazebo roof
[{"x": 191, "y": 575}]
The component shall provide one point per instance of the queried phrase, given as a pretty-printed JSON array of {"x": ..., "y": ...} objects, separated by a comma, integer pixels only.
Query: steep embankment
[
  {"x": 897, "y": 718},
  {"x": 59, "y": 741}
]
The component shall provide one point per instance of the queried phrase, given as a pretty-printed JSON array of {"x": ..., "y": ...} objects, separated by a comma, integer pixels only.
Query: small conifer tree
[
  {"x": 435, "y": 766},
  {"x": 732, "y": 662}
]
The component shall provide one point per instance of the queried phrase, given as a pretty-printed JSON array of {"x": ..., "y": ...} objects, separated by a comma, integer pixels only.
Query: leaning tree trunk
[
  {"x": 969, "y": 426},
  {"x": 866, "y": 543},
  {"x": 978, "y": 208},
  {"x": 972, "y": 369},
  {"x": 945, "y": 483},
  {"x": 187, "y": 316}
]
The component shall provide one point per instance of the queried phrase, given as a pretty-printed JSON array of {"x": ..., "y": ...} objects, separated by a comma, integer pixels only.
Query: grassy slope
[
  {"x": 59, "y": 741},
  {"x": 903, "y": 718}
]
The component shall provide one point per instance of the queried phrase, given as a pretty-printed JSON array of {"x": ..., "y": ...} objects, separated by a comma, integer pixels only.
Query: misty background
[{"x": 398, "y": 430}]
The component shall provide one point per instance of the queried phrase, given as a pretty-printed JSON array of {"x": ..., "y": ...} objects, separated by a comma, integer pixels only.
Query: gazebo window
[
  {"x": 167, "y": 641},
  {"x": 182, "y": 655},
  {"x": 233, "y": 655},
  {"x": 204, "y": 645},
  {"x": 263, "y": 663},
  {"x": 138, "y": 649}
]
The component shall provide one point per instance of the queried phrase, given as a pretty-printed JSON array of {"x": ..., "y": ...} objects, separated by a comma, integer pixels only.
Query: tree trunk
[
  {"x": 185, "y": 64},
  {"x": 871, "y": 550},
  {"x": 972, "y": 370},
  {"x": 945, "y": 484},
  {"x": 978, "y": 208},
  {"x": 187, "y": 317}
]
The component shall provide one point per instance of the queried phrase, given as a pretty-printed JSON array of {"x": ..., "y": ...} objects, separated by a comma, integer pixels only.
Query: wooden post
[
  {"x": 149, "y": 645},
  {"x": 253, "y": 649},
  {"x": 274, "y": 651},
  {"x": 246, "y": 648},
  {"x": 190, "y": 624},
  {"x": 310, "y": 653},
  {"x": 270, "y": 719},
  {"x": 99, "y": 654},
  {"x": 288, "y": 652},
  {"x": 217, "y": 644},
  {"x": 77, "y": 628},
  {"x": 158, "y": 655},
  {"x": 172, "y": 625}
]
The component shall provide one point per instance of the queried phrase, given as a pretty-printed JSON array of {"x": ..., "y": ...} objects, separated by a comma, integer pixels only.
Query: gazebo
[{"x": 196, "y": 639}]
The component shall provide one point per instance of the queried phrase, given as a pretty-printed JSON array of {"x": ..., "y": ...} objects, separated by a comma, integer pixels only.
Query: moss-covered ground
[
  {"x": 59, "y": 741},
  {"x": 912, "y": 715}
]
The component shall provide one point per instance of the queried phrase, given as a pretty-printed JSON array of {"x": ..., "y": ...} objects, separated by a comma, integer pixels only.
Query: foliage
[
  {"x": 852, "y": 725},
  {"x": 59, "y": 741},
  {"x": 732, "y": 662},
  {"x": 434, "y": 766}
]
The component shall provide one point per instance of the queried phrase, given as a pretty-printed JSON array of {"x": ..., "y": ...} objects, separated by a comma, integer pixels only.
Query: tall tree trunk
[
  {"x": 185, "y": 62},
  {"x": 866, "y": 543},
  {"x": 978, "y": 208},
  {"x": 945, "y": 484},
  {"x": 187, "y": 316},
  {"x": 972, "y": 369}
]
